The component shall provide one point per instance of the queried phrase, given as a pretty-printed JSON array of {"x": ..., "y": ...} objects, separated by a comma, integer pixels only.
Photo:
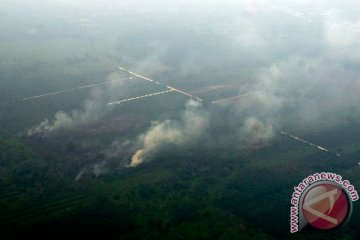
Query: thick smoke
[
  {"x": 191, "y": 125},
  {"x": 298, "y": 61},
  {"x": 262, "y": 114},
  {"x": 94, "y": 108},
  {"x": 304, "y": 91},
  {"x": 255, "y": 132},
  {"x": 301, "y": 75}
]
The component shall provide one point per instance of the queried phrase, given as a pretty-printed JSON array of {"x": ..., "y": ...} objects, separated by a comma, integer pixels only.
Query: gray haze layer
[{"x": 301, "y": 57}]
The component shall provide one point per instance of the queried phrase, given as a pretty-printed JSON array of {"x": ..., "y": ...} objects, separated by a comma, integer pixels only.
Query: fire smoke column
[
  {"x": 137, "y": 158},
  {"x": 185, "y": 130}
]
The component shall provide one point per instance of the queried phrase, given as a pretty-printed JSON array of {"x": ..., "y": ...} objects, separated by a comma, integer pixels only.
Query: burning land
[{"x": 186, "y": 120}]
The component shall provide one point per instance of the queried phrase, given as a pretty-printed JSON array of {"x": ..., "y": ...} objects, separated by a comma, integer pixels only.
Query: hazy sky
[
  {"x": 267, "y": 29},
  {"x": 303, "y": 55},
  {"x": 298, "y": 60}
]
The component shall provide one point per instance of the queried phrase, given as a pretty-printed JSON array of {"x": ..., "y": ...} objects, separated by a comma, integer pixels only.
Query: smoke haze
[
  {"x": 297, "y": 62},
  {"x": 192, "y": 124},
  {"x": 94, "y": 108}
]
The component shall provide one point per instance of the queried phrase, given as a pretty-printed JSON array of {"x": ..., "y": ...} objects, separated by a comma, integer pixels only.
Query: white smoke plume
[
  {"x": 96, "y": 169},
  {"x": 307, "y": 89},
  {"x": 93, "y": 109},
  {"x": 191, "y": 125},
  {"x": 255, "y": 132},
  {"x": 261, "y": 115},
  {"x": 307, "y": 53}
]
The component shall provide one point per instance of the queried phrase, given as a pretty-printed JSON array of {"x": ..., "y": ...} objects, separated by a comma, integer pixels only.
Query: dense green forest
[
  {"x": 239, "y": 101},
  {"x": 189, "y": 192}
]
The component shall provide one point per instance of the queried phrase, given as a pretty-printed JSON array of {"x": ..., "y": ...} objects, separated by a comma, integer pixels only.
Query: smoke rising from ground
[
  {"x": 94, "y": 108},
  {"x": 297, "y": 60},
  {"x": 192, "y": 124},
  {"x": 305, "y": 90},
  {"x": 255, "y": 132}
]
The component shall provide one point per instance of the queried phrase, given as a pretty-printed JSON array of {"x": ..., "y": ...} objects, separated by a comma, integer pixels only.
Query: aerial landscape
[{"x": 174, "y": 119}]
